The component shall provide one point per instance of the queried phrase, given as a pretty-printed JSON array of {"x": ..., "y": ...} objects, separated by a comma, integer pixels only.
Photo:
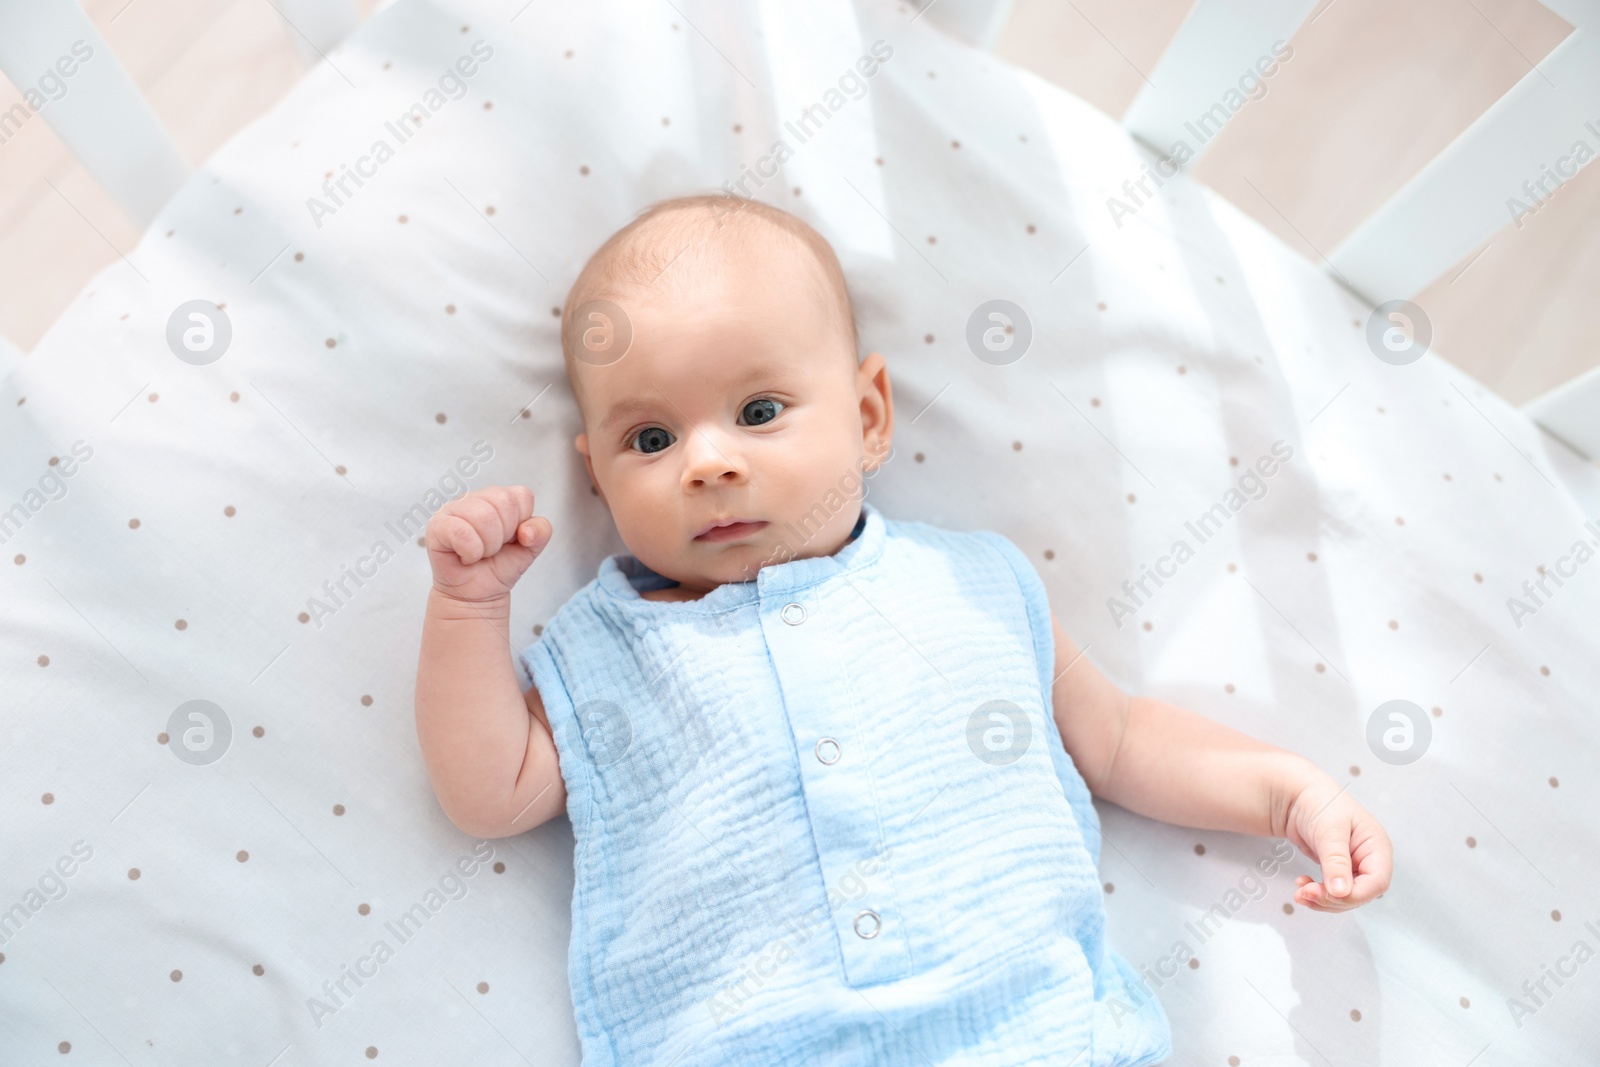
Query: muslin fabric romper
[{"x": 826, "y": 817}]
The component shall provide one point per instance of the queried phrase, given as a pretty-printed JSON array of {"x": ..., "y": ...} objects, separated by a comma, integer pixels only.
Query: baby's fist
[
  {"x": 481, "y": 544},
  {"x": 1351, "y": 846}
]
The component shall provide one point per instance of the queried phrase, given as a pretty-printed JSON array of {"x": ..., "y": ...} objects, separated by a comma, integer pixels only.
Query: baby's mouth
[{"x": 731, "y": 530}]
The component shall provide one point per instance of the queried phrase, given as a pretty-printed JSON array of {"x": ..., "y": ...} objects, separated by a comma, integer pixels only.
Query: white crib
[
  {"x": 1446, "y": 210},
  {"x": 373, "y": 351}
]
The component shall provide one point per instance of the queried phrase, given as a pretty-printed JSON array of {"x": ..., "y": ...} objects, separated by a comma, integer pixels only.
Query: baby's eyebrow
[{"x": 624, "y": 409}]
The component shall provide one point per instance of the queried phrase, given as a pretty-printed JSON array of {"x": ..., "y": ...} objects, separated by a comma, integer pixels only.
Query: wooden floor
[{"x": 1373, "y": 91}]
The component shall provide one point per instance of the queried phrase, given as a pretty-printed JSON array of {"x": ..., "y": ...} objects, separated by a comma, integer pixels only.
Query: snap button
[
  {"x": 873, "y": 922},
  {"x": 828, "y": 750},
  {"x": 793, "y": 614}
]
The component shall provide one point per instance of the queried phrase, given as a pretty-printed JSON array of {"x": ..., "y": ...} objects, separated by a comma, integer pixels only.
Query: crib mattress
[{"x": 236, "y": 525}]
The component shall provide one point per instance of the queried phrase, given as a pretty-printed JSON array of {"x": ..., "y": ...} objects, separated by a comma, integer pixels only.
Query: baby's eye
[
  {"x": 651, "y": 439},
  {"x": 763, "y": 410}
]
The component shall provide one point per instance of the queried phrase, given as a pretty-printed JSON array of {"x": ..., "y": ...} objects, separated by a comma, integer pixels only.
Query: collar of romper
[{"x": 623, "y": 577}]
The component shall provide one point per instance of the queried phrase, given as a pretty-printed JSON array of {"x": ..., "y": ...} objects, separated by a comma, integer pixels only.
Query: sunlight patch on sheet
[
  {"x": 1218, "y": 632},
  {"x": 824, "y": 148}
]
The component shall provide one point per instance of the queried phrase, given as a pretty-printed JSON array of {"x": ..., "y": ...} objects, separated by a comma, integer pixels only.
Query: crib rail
[
  {"x": 71, "y": 80},
  {"x": 1571, "y": 411},
  {"x": 1206, "y": 73},
  {"x": 1453, "y": 205},
  {"x": 977, "y": 22},
  {"x": 69, "y": 77},
  {"x": 1519, "y": 150},
  {"x": 1459, "y": 200}
]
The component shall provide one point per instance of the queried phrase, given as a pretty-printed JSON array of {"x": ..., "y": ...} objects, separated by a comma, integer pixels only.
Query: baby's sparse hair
[{"x": 643, "y": 253}]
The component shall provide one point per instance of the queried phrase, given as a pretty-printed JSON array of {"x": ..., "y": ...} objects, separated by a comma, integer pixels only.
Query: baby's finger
[
  {"x": 1333, "y": 854},
  {"x": 1315, "y": 896},
  {"x": 524, "y": 499},
  {"x": 452, "y": 533},
  {"x": 512, "y": 505},
  {"x": 489, "y": 519},
  {"x": 534, "y": 533},
  {"x": 1373, "y": 872},
  {"x": 1366, "y": 888}
]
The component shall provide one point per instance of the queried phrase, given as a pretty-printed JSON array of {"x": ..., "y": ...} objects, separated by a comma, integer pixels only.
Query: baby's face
[{"x": 738, "y": 401}]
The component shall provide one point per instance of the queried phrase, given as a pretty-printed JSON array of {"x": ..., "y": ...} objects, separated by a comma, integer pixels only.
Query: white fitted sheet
[{"x": 1163, "y": 350}]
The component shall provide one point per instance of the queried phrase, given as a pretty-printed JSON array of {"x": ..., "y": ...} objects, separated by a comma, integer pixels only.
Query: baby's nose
[{"x": 708, "y": 459}]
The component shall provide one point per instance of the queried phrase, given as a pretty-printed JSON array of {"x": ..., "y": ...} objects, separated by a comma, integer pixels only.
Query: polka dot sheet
[{"x": 219, "y": 841}]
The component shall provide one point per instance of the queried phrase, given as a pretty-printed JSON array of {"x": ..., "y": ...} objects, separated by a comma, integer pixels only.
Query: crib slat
[
  {"x": 96, "y": 108},
  {"x": 316, "y": 26},
  {"x": 978, "y": 22},
  {"x": 1221, "y": 56},
  {"x": 10, "y": 355},
  {"x": 1503, "y": 167},
  {"x": 1571, "y": 411},
  {"x": 1583, "y": 14}
]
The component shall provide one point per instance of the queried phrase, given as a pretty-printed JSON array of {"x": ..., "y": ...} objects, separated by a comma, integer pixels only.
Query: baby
[{"x": 828, "y": 772}]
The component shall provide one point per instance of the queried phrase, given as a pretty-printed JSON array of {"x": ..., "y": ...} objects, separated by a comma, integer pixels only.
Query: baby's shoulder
[
  {"x": 976, "y": 559},
  {"x": 918, "y": 534}
]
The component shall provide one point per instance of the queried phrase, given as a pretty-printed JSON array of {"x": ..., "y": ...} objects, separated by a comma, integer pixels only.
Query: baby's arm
[
  {"x": 1171, "y": 764},
  {"x": 486, "y": 743}
]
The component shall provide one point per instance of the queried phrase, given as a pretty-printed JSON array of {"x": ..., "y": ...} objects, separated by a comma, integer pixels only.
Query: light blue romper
[{"x": 826, "y": 817}]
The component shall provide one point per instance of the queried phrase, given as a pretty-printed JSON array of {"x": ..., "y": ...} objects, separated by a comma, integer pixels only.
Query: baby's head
[{"x": 711, "y": 345}]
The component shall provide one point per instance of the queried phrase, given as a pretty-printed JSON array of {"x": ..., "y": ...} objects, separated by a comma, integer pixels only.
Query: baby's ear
[{"x": 581, "y": 443}]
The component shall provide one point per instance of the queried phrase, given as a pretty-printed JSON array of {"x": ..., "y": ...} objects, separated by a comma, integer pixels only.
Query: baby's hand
[
  {"x": 481, "y": 544},
  {"x": 1328, "y": 825}
]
